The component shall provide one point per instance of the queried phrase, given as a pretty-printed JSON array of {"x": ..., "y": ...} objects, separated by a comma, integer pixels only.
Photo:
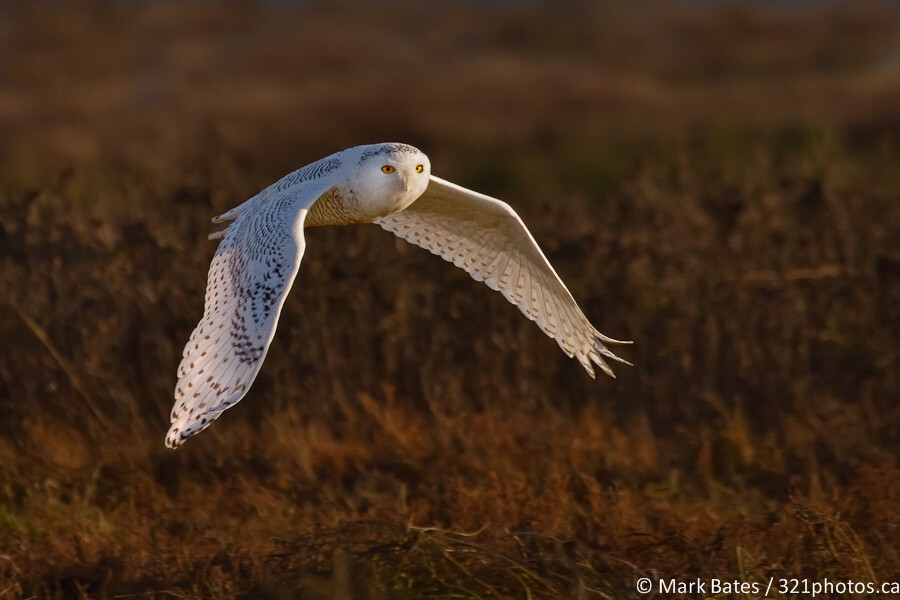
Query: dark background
[{"x": 718, "y": 182}]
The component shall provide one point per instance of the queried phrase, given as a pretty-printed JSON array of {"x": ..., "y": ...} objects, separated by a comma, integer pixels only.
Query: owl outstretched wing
[
  {"x": 487, "y": 238},
  {"x": 249, "y": 279}
]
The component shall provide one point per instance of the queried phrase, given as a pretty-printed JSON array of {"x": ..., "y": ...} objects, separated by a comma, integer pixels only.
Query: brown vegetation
[{"x": 718, "y": 184}]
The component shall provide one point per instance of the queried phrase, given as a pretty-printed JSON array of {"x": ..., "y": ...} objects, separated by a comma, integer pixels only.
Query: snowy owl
[{"x": 388, "y": 184}]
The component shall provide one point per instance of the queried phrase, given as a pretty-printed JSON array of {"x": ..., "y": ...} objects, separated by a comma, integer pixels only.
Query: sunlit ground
[{"x": 719, "y": 184}]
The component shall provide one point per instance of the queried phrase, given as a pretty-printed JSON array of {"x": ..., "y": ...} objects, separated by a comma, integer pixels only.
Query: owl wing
[
  {"x": 487, "y": 238},
  {"x": 249, "y": 279}
]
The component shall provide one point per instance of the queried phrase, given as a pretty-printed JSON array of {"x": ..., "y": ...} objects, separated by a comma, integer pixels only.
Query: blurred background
[{"x": 717, "y": 181}]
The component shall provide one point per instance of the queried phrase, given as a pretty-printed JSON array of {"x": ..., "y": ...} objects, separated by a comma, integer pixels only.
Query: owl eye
[
  {"x": 419, "y": 168},
  {"x": 387, "y": 169}
]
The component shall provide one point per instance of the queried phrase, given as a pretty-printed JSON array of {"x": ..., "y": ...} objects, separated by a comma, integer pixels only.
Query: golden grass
[{"x": 717, "y": 184}]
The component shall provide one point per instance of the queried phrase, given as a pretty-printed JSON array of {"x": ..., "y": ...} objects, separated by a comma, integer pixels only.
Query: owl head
[{"x": 393, "y": 170}]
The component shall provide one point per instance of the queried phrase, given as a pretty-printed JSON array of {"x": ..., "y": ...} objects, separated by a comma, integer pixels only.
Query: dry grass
[{"x": 717, "y": 184}]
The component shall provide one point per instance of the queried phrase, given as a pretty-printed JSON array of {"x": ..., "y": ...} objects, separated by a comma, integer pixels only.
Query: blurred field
[{"x": 718, "y": 183}]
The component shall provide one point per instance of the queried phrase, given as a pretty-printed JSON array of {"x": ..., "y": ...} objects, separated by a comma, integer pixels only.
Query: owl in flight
[{"x": 388, "y": 184}]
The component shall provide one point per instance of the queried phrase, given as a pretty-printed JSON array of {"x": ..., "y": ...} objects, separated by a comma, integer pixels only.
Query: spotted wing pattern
[
  {"x": 487, "y": 238},
  {"x": 249, "y": 278}
]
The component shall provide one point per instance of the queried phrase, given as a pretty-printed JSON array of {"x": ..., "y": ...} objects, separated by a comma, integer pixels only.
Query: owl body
[
  {"x": 367, "y": 182},
  {"x": 388, "y": 184}
]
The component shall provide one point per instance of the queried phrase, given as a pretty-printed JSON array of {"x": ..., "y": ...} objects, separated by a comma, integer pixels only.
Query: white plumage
[{"x": 388, "y": 184}]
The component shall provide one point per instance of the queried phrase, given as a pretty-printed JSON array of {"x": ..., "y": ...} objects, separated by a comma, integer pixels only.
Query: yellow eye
[
  {"x": 387, "y": 169},
  {"x": 419, "y": 168}
]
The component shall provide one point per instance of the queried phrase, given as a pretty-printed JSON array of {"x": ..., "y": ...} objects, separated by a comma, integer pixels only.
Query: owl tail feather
[{"x": 230, "y": 215}]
